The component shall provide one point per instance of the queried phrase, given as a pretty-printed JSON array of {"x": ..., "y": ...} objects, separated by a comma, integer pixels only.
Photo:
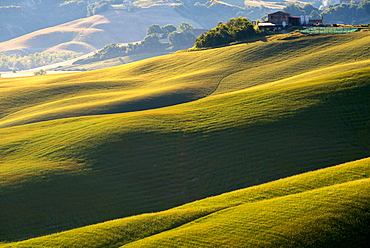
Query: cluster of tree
[
  {"x": 100, "y": 6},
  {"x": 158, "y": 40},
  {"x": 97, "y": 8},
  {"x": 179, "y": 38},
  {"x": 352, "y": 13},
  {"x": 307, "y": 9},
  {"x": 72, "y": 9},
  {"x": 16, "y": 62},
  {"x": 236, "y": 29},
  {"x": 40, "y": 72}
]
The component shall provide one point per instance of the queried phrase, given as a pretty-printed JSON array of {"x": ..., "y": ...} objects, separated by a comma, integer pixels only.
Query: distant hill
[
  {"x": 92, "y": 33},
  {"x": 89, "y": 147},
  {"x": 273, "y": 4},
  {"x": 19, "y": 17},
  {"x": 209, "y": 13},
  {"x": 51, "y": 26}
]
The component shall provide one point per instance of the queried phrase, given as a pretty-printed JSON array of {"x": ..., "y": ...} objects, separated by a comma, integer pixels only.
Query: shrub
[{"x": 236, "y": 29}]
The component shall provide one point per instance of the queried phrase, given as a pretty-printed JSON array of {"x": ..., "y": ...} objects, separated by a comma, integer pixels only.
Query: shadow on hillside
[{"x": 123, "y": 106}]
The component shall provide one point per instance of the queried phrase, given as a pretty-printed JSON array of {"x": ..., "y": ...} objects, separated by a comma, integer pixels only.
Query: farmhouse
[{"x": 280, "y": 18}]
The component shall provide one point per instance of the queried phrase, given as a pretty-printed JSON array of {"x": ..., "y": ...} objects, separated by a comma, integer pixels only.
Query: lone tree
[
  {"x": 40, "y": 72},
  {"x": 167, "y": 29},
  {"x": 236, "y": 29},
  {"x": 151, "y": 43},
  {"x": 154, "y": 29},
  {"x": 186, "y": 28}
]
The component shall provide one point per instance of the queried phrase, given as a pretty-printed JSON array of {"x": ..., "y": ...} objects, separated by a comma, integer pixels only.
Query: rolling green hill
[
  {"x": 313, "y": 208},
  {"x": 176, "y": 77},
  {"x": 76, "y": 150}
]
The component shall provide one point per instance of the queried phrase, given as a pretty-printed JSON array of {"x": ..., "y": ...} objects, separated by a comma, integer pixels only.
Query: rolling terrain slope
[
  {"x": 324, "y": 208},
  {"x": 176, "y": 78},
  {"x": 76, "y": 150}
]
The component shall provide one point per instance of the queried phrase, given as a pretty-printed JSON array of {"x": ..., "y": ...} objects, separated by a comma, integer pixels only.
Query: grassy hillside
[
  {"x": 103, "y": 164},
  {"x": 177, "y": 77},
  {"x": 327, "y": 208}
]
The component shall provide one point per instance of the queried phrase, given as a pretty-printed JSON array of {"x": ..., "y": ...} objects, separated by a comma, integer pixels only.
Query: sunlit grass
[
  {"x": 180, "y": 77},
  {"x": 323, "y": 207},
  {"x": 182, "y": 149},
  {"x": 102, "y": 145},
  {"x": 334, "y": 216}
]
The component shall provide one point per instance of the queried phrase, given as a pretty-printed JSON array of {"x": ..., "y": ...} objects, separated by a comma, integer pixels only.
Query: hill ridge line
[
  {"x": 348, "y": 166},
  {"x": 172, "y": 228},
  {"x": 361, "y": 185},
  {"x": 252, "y": 202}
]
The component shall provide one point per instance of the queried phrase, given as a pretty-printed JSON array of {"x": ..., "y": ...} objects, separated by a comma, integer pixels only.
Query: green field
[
  {"x": 89, "y": 147},
  {"x": 328, "y": 30},
  {"x": 307, "y": 210}
]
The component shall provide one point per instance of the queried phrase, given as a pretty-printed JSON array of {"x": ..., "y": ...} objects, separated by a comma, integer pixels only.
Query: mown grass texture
[
  {"x": 72, "y": 172},
  {"x": 332, "y": 217},
  {"x": 179, "y": 78},
  {"x": 324, "y": 208},
  {"x": 100, "y": 162}
]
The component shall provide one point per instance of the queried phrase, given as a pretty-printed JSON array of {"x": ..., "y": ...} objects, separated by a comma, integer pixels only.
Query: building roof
[{"x": 279, "y": 13}]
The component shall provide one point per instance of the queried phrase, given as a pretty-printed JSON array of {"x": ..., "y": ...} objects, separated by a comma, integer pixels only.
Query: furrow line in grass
[
  {"x": 182, "y": 224},
  {"x": 222, "y": 79},
  {"x": 118, "y": 232}
]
